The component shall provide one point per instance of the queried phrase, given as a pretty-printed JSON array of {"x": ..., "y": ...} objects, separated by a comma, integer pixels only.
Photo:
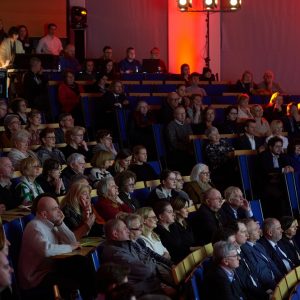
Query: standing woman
[{"x": 24, "y": 39}]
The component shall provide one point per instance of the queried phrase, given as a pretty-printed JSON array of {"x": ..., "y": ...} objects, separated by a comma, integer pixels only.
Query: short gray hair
[
  {"x": 197, "y": 169},
  {"x": 210, "y": 130},
  {"x": 102, "y": 186},
  {"x": 74, "y": 158},
  {"x": 20, "y": 135},
  {"x": 221, "y": 250},
  {"x": 228, "y": 193},
  {"x": 268, "y": 224}
]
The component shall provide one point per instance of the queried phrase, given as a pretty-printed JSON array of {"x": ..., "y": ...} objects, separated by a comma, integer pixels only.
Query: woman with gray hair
[
  {"x": 109, "y": 204},
  {"x": 20, "y": 141},
  {"x": 199, "y": 184}
]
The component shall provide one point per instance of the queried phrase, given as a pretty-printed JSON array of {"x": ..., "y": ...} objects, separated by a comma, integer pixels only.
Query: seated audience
[
  {"x": 183, "y": 99},
  {"x": 19, "y": 107},
  {"x": 69, "y": 96},
  {"x": 126, "y": 182},
  {"x": 168, "y": 107},
  {"x": 185, "y": 73},
  {"x": 104, "y": 142},
  {"x": 47, "y": 149},
  {"x": 119, "y": 249},
  {"x": 77, "y": 208},
  {"x": 9, "y": 47},
  {"x": 129, "y": 64},
  {"x": 7, "y": 190},
  {"x": 121, "y": 163},
  {"x": 207, "y": 75},
  {"x": 75, "y": 165},
  {"x": 3, "y": 111},
  {"x": 262, "y": 128},
  {"x": 24, "y": 39},
  {"x": 68, "y": 61},
  {"x": 107, "y": 55},
  {"x": 155, "y": 54},
  {"x": 100, "y": 162},
  {"x": 243, "y": 108},
  {"x": 50, "y": 180},
  {"x": 66, "y": 122},
  {"x": 248, "y": 141},
  {"x": 235, "y": 206},
  {"x": 207, "y": 220},
  {"x": 245, "y": 85},
  {"x": 221, "y": 278},
  {"x": 38, "y": 271},
  {"x": 109, "y": 69},
  {"x": 33, "y": 123},
  {"x": 28, "y": 188},
  {"x": 208, "y": 121},
  {"x": 150, "y": 238},
  {"x": 20, "y": 142},
  {"x": 289, "y": 227},
  {"x": 268, "y": 86},
  {"x": 179, "y": 188},
  {"x": 276, "y": 128},
  {"x": 292, "y": 120},
  {"x": 166, "y": 189},
  {"x": 100, "y": 86},
  {"x": 109, "y": 203},
  {"x": 230, "y": 125},
  {"x": 194, "y": 87},
  {"x": 74, "y": 138},
  {"x": 179, "y": 145},
  {"x": 195, "y": 110},
  {"x": 12, "y": 124},
  {"x": 199, "y": 184},
  {"x": 139, "y": 165},
  {"x": 275, "y": 109},
  {"x": 89, "y": 72},
  {"x": 294, "y": 154},
  {"x": 272, "y": 234}
]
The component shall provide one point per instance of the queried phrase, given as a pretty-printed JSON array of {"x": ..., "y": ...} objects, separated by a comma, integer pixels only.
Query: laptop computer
[{"x": 151, "y": 65}]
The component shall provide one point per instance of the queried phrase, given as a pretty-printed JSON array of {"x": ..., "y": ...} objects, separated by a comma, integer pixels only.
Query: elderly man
[
  {"x": 272, "y": 234},
  {"x": 221, "y": 280},
  {"x": 5, "y": 277},
  {"x": 75, "y": 165},
  {"x": 260, "y": 262},
  {"x": 119, "y": 249},
  {"x": 7, "y": 199},
  {"x": 268, "y": 86},
  {"x": 179, "y": 146},
  {"x": 206, "y": 220},
  {"x": 50, "y": 44},
  {"x": 235, "y": 205}
]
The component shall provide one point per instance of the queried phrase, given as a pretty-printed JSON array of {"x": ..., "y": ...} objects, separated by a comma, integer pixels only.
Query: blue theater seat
[
  {"x": 159, "y": 143},
  {"x": 257, "y": 211},
  {"x": 53, "y": 99},
  {"x": 292, "y": 191},
  {"x": 156, "y": 167},
  {"x": 132, "y": 76}
]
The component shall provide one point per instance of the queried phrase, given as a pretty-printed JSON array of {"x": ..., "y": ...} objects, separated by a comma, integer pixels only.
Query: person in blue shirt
[{"x": 129, "y": 64}]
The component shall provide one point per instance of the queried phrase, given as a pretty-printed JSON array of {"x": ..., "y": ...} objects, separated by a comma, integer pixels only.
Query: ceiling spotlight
[
  {"x": 235, "y": 4},
  {"x": 210, "y": 4},
  {"x": 184, "y": 5}
]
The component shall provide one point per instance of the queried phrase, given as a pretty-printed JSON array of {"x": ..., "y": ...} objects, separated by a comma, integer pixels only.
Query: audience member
[
  {"x": 12, "y": 124},
  {"x": 122, "y": 162},
  {"x": 155, "y": 54},
  {"x": 109, "y": 203},
  {"x": 47, "y": 149},
  {"x": 139, "y": 165},
  {"x": 208, "y": 121},
  {"x": 50, "y": 43},
  {"x": 184, "y": 100},
  {"x": 294, "y": 154},
  {"x": 245, "y": 85},
  {"x": 68, "y": 61},
  {"x": 66, "y": 122},
  {"x": 28, "y": 188},
  {"x": 276, "y": 128},
  {"x": 109, "y": 69},
  {"x": 243, "y": 108},
  {"x": 195, "y": 110},
  {"x": 3, "y": 111},
  {"x": 100, "y": 86},
  {"x": 50, "y": 180},
  {"x": 124, "y": 291},
  {"x": 24, "y": 39},
  {"x": 89, "y": 71},
  {"x": 275, "y": 109},
  {"x": 207, "y": 75},
  {"x": 19, "y": 107},
  {"x": 107, "y": 55},
  {"x": 268, "y": 86},
  {"x": 207, "y": 219},
  {"x": 104, "y": 142},
  {"x": 129, "y": 64},
  {"x": 168, "y": 107},
  {"x": 194, "y": 87},
  {"x": 185, "y": 72},
  {"x": 230, "y": 125},
  {"x": 33, "y": 123},
  {"x": 9, "y": 47},
  {"x": 100, "y": 162},
  {"x": 262, "y": 128},
  {"x": 292, "y": 120}
]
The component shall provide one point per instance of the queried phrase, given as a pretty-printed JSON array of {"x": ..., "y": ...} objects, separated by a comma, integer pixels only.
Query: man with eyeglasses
[{"x": 221, "y": 281}]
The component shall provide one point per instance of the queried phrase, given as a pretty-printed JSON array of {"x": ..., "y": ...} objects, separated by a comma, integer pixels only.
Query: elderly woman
[
  {"x": 75, "y": 143},
  {"x": 243, "y": 108},
  {"x": 109, "y": 204},
  {"x": 262, "y": 125},
  {"x": 12, "y": 124},
  {"x": 276, "y": 128},
  {"x": 20, "y": 141},
  {"x": 104, "y": 142},
  {"x": 34, "y": 120},
  {"x": 48, "y": 150},
  {"x": 19, "y": 107},
  {"x": 199, "y": 184},
  {"x": 50, "y": 179},
  {"x": 150, "y": 238},
  {"x": 289, "y": 226},
  {"x": 126, "y": 181},
  {"x": 77, "y": 208},
  {"x": 28, "y": 188},
  {"x": 122, "y": 162},
  {"x": 100, "y": 162},
  {"x": 230, "y": 125}
]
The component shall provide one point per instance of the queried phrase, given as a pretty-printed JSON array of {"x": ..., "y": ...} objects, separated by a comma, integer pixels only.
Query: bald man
[{"x": 44, "y": 237}]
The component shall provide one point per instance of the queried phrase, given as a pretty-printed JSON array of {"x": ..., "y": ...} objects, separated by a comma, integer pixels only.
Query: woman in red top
[{"x": 109, "y": 204}]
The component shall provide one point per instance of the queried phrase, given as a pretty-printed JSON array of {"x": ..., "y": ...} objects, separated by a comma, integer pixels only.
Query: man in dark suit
[
  {"x": 207, "y": 220},
  {"x": 272, "y": 234},
  {"x": 272, "y": 163},
  {"x": 221, "y": 280},
  {"x": 259, "y": 261},
  {"x": 248, "y": 141},
  {"x": 235, "y": 206}
]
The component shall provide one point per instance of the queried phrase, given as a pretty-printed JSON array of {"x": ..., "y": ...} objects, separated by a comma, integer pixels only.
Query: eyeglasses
[
  {"x": 136, "y": 229},
  {"x": 234, "y": 256},
  {"x": 205, "y": 173}
]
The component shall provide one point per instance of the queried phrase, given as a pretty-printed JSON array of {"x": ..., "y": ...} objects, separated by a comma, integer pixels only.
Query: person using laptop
[{"x": 155, "y": 54}]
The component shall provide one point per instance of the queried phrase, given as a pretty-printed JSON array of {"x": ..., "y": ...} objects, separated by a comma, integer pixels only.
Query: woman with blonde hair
[
  {"x": 262, "y": 125},
  {"x": 77, "y": 208},
  {"x": 151, "y": 239},
  {"x": 276, "y": 127}
]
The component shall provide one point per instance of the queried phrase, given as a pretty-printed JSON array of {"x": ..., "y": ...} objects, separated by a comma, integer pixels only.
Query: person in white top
[
  {"x": 151, "y": 238},
  {"x": 276, "y": 130},
  {"x": 50, "y": 44}
]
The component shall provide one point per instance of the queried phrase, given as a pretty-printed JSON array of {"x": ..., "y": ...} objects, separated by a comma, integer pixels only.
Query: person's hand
[
  {"x": 90, "y": 220},
  {"x": 84, "y": 145},
  {"x": 167, "y": 255},
  {"x": 75, "y": 246},
  {"x": 2, "y": 208},
  {"x": 119, "y": 105},
  {"x": 125, "y": 102},
  {"x": 245, "y": 205},
  {"x": 58, "y": 184},
  {"x": 288, "y": 169}
]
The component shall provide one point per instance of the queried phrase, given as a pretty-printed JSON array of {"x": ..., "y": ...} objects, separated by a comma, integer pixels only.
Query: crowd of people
[{"x": 145, "y": 237}]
